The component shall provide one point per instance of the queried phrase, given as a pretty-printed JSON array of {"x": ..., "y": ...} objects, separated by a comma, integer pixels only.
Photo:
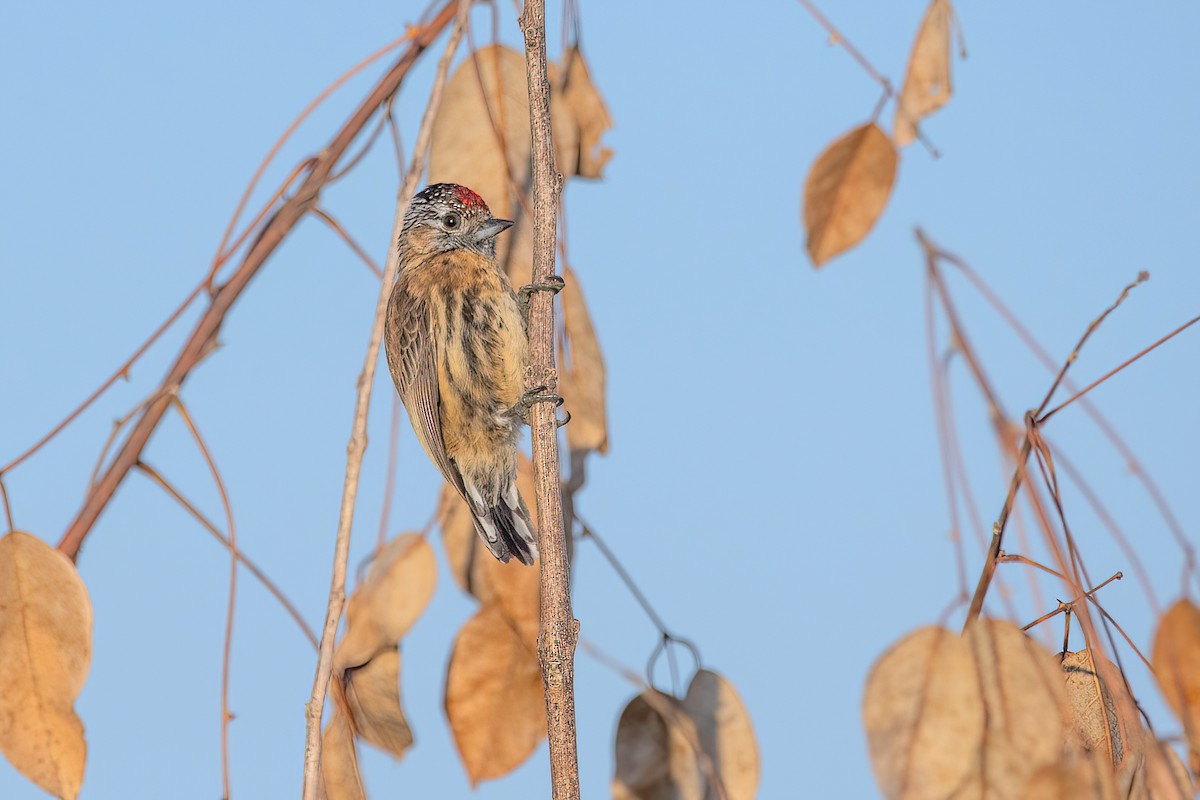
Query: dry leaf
[
  {"x": 927, "y": 82},
  {"x": 1176, "y": 658},
  {"x": 582, "y": 377},
  {"x": 1088, "y": 777},
  {"x": 589, "y": 113},
  {"x": 493, "y": 696},
  {"x": 924, "y": 716},
  {"x": 340, "y": 778},
  {"x": 846, "y": 190},
  {"x": 45, "y": 651},
  {"x": 671, "y": 749},
  {"x": 389, "y": 600},
  {"x": 726, "y": 734},
  {"x": 481, "y": 139},
  {"x": 1026, "y": 706},
  {"x": 970, "y": 717},
  {"x": 656, "y": 759},
  {"x": 372, "y": 694},
  {"x": 513, "y": 587},
  {"x": 1166, "y": 776},
  {"x": 1095, "y": 713}
]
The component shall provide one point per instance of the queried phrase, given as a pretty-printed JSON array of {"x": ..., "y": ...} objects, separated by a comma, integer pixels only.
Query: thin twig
[
  {"x": 224, "y": 296},
  {"x": 117, "y": 427},
  {"x": 1106, "y": 518},
  {"x": 389, "y": 480},
  {"x": 337, "y": 228},
  {"x": 264, "y": 211},
  {"x": 559, "y": 628},
  {"x": 293, "y": 612},
  {"x": 625, "y": 577},
  {"x": 352, "y": 162},
  {"x": 8, "y": 516},
  {"x": 1066, "y": 607},
  {"x": 1062, "y": 373},
  {"x": 227, "y": 653},
  {"x": 998, "y": 417},
  {"x": 836, "y": 37},
  {"x": 121, "y": 372},
  {"x": 1134, "y": 464},
  {"x": 413, "y": 35},
  {"x": 397, "y": 140},
  {"x": 358, "y": 435},
  {"x": 1117, "y": 369},
  {"x": 667, "y": 639}
]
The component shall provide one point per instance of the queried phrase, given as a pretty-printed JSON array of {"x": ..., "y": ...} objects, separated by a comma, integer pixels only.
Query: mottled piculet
[{"x": 456, "y": 347}]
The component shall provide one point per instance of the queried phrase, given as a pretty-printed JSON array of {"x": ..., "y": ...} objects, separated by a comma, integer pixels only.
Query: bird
[{"x": 456, "y": 344}]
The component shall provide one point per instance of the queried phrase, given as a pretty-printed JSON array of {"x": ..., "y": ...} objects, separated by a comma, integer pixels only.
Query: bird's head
[{"x": 444, "y": 217}]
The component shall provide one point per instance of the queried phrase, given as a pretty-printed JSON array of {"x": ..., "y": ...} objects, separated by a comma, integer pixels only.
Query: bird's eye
[{"x": 451, "y": 221}]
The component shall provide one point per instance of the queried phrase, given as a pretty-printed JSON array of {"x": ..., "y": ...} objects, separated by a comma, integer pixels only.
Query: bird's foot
[
  {"x": 539, "y": 394},
  {"x": 551, "y": 283}
]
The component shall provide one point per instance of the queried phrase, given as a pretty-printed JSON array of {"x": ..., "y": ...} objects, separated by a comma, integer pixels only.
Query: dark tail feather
[
  {"x": 506, "y": 528},
  {"x": 509, "y": 525}
]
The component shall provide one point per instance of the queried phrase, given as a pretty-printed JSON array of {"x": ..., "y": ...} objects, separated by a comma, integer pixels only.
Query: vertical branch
[
  {"x": 358, "y": 435},
  {"x": 556, "y": 641}
]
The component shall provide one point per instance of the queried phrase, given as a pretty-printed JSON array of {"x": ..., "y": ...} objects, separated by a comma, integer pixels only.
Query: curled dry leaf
[
  {"x": 340, "y": 778},
  {"x": 589, "y": 113},
  {"x": 367, "y": 661},
  {"x": 493, "y": 696},
  {"x": 927, "y": 81},
  {"x": 481, "y": 139},
  {"x": 372, "y": 694},
  {"x": 1097, "y": 723},
  {"x": 1176, "y": 659},
  {"x": 951, "y": 717},
  {"x": 387, "y": 603},
  {"x": 924, "y": 716},
  {"x": 512, "y": 587},
  {"x": 656, "y": 753},
  {"x": 846, "y": 190},
  {"x": 702, "y": 747},
  {"x": 582, "y": 377},
  {"x": 45, "y": 651}
]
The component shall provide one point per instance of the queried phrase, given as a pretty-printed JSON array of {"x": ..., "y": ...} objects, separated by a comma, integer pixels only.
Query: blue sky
[{"x": 773, "y": 482}]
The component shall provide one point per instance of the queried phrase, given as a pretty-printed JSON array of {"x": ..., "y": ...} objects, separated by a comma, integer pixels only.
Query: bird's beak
[{"x": 491, "y": 228}]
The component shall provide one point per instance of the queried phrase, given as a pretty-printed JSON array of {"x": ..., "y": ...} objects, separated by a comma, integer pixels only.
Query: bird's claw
[
  {"x": 551, "y": 283},
  {"x": 540, "y": 394}
]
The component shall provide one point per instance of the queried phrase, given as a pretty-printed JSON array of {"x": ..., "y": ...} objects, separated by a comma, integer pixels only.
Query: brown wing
[{"x": 413, "y": 364}]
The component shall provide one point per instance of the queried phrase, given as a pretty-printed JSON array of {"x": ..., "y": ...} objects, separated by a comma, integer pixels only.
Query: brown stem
[
  {"x": 224, "y": 296},
  {"x": 559, "y": 629},
  {"x": 358, "y": 433}
]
